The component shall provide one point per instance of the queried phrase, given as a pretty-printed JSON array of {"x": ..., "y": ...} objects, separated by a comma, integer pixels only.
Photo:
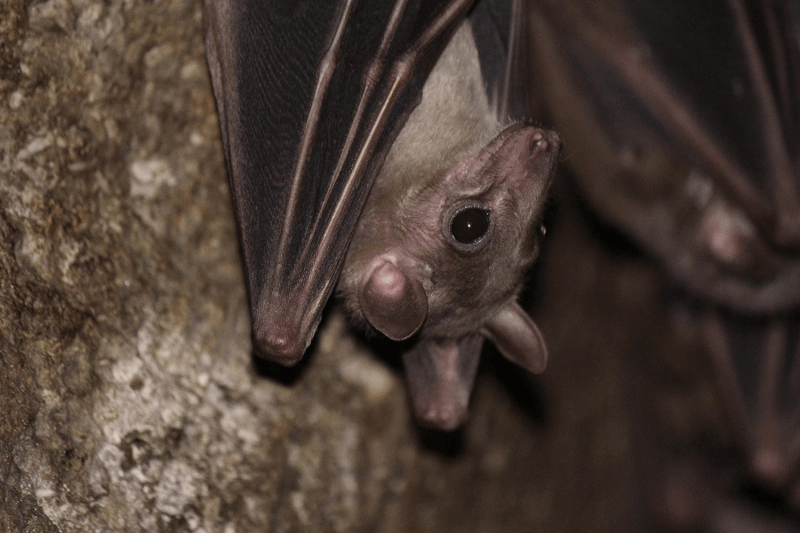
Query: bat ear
[
  {"x": 516, "y": 336},
  {"x": 440, "y": 375},
  {"x": 393, "y": 302}
]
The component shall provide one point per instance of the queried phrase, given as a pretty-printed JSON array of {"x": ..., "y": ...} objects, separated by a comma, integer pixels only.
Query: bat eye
[
  {"x": 466, "y": 226},
  {"x": 469, "y": 225}
]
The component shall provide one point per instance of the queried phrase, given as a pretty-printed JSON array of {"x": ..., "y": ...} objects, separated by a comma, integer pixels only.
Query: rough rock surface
[{"x": 129, "y": 400}]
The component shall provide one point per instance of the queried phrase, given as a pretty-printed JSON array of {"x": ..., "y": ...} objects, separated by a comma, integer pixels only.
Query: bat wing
[
  {"x": 498, "y": 27},
  {"x": 729, "y": 88},
  {"x": 310, "y": 96},
  {"x": 683, "y": 124}
]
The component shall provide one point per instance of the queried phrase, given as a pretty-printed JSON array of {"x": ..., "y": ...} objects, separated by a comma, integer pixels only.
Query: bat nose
[
  {"x": 544, "y": 141},
  {"x": 538, "y": 142},
  {"x": 544, "y": 147}
]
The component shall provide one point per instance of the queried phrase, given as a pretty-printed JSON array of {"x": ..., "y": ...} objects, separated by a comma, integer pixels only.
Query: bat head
[
  {"x": 451, "y": 260},
  {"x": 479, "y": 230}
]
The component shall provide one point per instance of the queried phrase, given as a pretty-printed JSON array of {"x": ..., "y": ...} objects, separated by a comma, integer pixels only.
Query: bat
[
  {"x": 732, "y": 464},
  {"x": 684, "y": 123},
  {"x": 425, "y": 220}
]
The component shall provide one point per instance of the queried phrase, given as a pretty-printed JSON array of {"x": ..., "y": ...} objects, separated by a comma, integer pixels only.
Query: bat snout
[
  {"x": 528, "y": 152},
  {"x": 542, "y": 142}
]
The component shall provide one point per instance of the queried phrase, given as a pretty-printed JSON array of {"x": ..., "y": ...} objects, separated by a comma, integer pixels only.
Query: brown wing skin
[
  {"x": 310, "y": 96},
  {"x": 498, "y": 27},
  {"x": 682, "y": 125}
]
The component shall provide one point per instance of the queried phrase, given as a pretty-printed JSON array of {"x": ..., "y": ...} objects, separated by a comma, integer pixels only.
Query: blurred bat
[
  {"x": 683, "y": 122},
  {"x": 315, "y": 102},
  {"x": 756, "y": 363},
  {"x": 732, "y": 465},
  {"x": 683, "y": 125}
]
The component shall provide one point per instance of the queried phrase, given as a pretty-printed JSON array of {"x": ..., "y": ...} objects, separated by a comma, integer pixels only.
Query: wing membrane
[{"x": 310, "y": 95}]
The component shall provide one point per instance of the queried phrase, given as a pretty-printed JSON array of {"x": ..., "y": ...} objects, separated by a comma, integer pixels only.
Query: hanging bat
[
  {"x": 731, "y": 465},
  {"x": 684, "y": 123},
  {"x": 431, "y": 217}
]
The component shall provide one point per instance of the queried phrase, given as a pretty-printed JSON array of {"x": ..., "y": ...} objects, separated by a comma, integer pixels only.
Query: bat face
[
  {"x": 310, "y": 95},
  {"x": 685, "y": 137},
  {"x": 454, "y": 216}
]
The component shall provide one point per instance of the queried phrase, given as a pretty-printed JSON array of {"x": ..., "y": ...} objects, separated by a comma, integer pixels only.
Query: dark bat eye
[
  {"x": 469, "y": 225},
  {"x": 466, "y": 226}
]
